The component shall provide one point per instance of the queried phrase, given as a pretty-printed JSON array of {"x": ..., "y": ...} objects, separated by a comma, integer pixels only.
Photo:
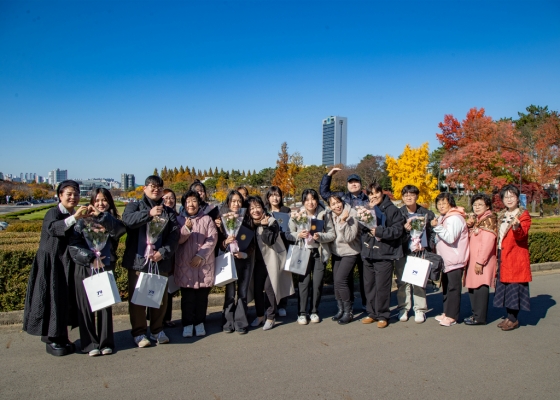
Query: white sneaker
[
  {"x": 403, "y": 315},
  {"x": 419, "y": 317},
  {"x": 257, "y": 322},
  {"x": 200, "y": 330},
  {"x": 106, "y": 351},
  {"x": 281, "y": 312},
  {"x": 314, "y": 318},
  {"x": 142, "y": 341},
  {"x": 302, "y": 320},
  {"x": 161, "y": 338},
  {"x": 94, "y": 352},
  {"x": 269, "y": 324},
  {"x": 187, "y": 331}
]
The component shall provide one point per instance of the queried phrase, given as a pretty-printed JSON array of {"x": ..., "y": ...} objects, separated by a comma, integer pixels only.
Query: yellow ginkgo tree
[{"x": 411, "y": 168}]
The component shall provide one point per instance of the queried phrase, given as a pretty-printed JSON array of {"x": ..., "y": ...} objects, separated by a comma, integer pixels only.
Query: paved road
[
  {"x": 13, "y": 208},
  {"x": 320, "y": 361}
]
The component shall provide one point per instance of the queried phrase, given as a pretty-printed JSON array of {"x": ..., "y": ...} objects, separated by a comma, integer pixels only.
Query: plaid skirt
[{"x": 514, "y": 296}]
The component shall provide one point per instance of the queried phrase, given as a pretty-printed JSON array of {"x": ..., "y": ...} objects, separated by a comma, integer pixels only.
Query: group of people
[{"x": 479, "y": 251}]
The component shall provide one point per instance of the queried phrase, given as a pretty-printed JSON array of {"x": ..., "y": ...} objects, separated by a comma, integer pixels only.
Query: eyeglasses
[
  {"x": 510, "y": 197},
  {"x": 155, "y": 187},
  {"x": 409, "y": 195}
]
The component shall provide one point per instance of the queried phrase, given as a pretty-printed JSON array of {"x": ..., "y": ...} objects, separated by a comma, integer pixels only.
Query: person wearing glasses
[
  {"x": 514, "y": 266},
  {"x": 135, "y": 218}
]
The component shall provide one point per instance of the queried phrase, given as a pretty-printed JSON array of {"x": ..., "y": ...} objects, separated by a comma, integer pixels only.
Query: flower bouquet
[
  {"x": 154, "y": 230},
  {"x": 232, "y": 222},
  {"x": 366, "y": 217},
  {"x": 357, "y": 203},
  {"x": 303, "y": 222},
  {"x": 96, "y": 238},
  {"x": 418, "y": 225}
]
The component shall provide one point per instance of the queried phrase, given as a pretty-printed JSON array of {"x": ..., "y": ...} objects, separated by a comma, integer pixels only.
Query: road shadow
[{"x": 539, "y": 308}]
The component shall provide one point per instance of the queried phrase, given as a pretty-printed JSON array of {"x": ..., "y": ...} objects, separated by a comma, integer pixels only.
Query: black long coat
[{"x": 50, "y": 302}]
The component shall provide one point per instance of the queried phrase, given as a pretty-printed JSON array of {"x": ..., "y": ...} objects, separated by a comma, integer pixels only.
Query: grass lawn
[{"x": 39, "y": 215}]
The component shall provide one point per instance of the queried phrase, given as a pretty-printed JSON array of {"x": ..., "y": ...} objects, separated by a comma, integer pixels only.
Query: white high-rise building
[
  {"x": 334, "y": 140},
  {"x": 57, "y": 175}
]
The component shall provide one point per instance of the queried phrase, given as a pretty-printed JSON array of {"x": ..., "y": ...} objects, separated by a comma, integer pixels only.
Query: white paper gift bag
[
  {"x": 101, "y": 290},
  {"x": 416, "y": 271},
  {"x": 149, "y": 289},
  {"x": 172, "y": 287},
  {"x": 297, "y": 259},
  {"x": 225, "y": 271}
]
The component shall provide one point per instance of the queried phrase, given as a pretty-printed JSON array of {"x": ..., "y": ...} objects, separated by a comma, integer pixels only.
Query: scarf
[{"x": 486, "y": 222}]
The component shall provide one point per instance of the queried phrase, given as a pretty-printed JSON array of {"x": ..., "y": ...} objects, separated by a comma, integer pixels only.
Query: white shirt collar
[{"x": 63, "y": 209}]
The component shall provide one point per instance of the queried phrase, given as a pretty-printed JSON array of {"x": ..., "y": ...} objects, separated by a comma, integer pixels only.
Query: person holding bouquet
[
  {"x": 275, "y": 203},
  {"x": 103, "y": 218},
  {"x": 234, "y": 314},
  {"x": 269, "y": 260},
  {"x": 380, "y": 247},
  {"x": 140, "y": 252},
  {"x": 418, "y": 224},
  {"x": 345, "y": 249},
  {"x": 50, "y": 302},
  {"x": 319, "y": 256},
  {"x": 481, "y": 270},
  {"x": 194, "y": 263}
]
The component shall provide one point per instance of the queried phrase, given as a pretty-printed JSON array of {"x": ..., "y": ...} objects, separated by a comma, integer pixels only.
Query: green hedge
[
  {"x": 17, "y": 251},
  {"x": 31, "y": 210},
  {"x": 24, "y": 226}
]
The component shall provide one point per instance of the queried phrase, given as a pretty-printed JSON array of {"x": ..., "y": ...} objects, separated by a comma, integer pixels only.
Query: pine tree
[
  {"x": 181, "y": 170},
  {"x": 155, "y": 172}
]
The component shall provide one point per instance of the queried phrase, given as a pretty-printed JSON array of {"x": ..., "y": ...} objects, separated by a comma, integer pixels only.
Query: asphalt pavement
[{"x": 316, "y": 361}]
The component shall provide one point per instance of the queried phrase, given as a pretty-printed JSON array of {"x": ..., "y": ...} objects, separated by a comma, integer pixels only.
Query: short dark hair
[
  {"x": 199, "y": 184},
  {"x": 335, "y": 196},
  {"x": 257, "y": 200},
  {"x": 509, "y": 188},
  {"x": 274, "y": 190},
  {"x": 446, "y": 196},
  {"x": 108, "y": 197},
  {"x": 374, "y": 187},
  {"x": 154, "y": 180},
  {"x": 190, "y": 193},
  {"x": 311, "y": 192},
  {"x": 410, "y": 189},
  {"x": 230, "y": 197},
  {"x": 484, "y": 197},
  {"x": 242, "y": 188}
]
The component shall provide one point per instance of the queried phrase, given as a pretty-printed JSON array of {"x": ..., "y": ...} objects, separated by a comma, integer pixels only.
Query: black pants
[
  {"x": 452, "y": 285},
  {"x": 264, "y": 293},
  {"x": 360, "y": 265},
  {"x": 343, "y": 273},
  {"x": 169, "y": 309},
  {"x": 137, "y": 313},
  {"x": 377, "y": 284},
  {"x": 479, "y": 302},
  {"x": 92, "y": 335},
  {"x": 313, "y": 277},
  {"x": 234, "y": 314},
  {"x": 194, "y": 304}
]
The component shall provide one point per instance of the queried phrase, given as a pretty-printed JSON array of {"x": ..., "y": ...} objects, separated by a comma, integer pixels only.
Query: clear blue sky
[{"x": 105, "y": 87}]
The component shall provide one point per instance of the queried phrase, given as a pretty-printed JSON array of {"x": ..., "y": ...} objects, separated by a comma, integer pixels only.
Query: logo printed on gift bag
[
  {"x": 414, "y": 272},
  {"x": 151, "y": 293},
  {"x": 99, "y": 293}
]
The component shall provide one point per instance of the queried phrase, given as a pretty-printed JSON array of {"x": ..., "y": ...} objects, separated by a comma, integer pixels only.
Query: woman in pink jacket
[
  {"x": 481, "y": 272},
  {"x": 194, "y": 263},
  {"x": 452, "y": 244}
]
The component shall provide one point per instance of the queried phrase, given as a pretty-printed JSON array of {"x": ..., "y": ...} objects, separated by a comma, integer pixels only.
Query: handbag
[
  {"x": 172, "y": 287},
  {"x": 150, "y": 288},
  {"x": 297, "y": 259},
  {"x": 416, "y": 271},
  {"x": 101, "y": 290},
  {"x": 225, "y": 271},
  {"x": 436, "y": 265}
]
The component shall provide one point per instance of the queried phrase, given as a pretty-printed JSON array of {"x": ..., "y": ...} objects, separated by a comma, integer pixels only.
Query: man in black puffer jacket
[
  {"x": 136, "y": 217},
  {"x": 380, "y": 247}
]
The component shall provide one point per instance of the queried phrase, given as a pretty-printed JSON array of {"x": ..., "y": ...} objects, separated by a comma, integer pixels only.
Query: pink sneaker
[
  {"x": 440, "y": 317},
  {"x": 447, "y": 322}
]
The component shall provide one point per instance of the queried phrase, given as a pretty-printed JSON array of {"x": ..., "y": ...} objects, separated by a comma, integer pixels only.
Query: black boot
[
  {"x": 347, "y": 316},
  {"x": 338, "y": 315}
]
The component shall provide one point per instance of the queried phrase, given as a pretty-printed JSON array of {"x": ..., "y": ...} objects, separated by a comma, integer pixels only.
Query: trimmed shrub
[
  {"x": 544, "y": 245},
  {"x": 24, "y": 226}
]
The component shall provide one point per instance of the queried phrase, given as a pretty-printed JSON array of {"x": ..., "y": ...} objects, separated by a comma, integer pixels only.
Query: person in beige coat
[
  {"x": 271, "y": 282},
  {"x": 345, "y": 250}
]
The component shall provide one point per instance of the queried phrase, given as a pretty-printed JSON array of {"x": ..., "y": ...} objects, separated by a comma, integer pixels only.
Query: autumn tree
[
  {"x": 281, "y": 176},
  {"x": 308, "y": 178},
  {"x": 411, "y": 168}
]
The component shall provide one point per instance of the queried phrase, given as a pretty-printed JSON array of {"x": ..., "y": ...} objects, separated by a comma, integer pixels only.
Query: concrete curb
[{"x": 217, "y": 300}]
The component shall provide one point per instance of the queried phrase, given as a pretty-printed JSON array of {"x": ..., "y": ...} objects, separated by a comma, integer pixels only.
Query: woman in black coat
[
  {"x": 96, "y": 339},
  {"x": 49, "y": 302}
]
